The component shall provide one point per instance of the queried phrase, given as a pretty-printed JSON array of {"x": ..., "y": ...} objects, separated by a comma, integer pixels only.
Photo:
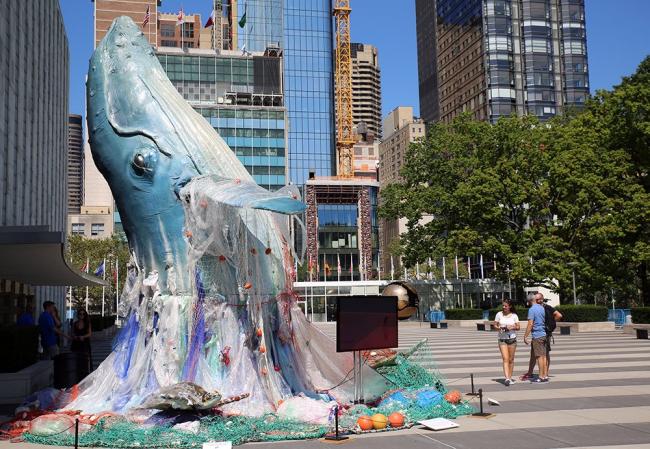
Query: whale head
[{"x": 148, "y": 142}]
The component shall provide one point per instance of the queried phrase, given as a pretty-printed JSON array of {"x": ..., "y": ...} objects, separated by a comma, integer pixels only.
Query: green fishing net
[{"x": 406, "y": 375}]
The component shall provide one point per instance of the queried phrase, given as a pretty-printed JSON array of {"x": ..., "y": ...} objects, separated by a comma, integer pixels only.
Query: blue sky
[{"x": 618, "y": 38}]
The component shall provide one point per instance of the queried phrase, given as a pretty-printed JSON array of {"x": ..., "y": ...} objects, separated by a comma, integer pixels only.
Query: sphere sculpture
[
  {"x": 379, "y": 421},
  {"x": 364, "y": 422},
  {"x": 396, "y": 419},
  {"x": 407, "y": 298}
]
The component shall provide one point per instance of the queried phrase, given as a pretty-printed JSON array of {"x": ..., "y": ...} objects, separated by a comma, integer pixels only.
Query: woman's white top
[{"x": 506, "y": 320}]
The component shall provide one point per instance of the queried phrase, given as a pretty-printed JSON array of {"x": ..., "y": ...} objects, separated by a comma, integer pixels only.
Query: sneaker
[
  {"x": 539, "y": 380},
  {"x": 507, "y": 382},
  {"x": 526, "y": 376},
  {"x": 545, "y": 379},
  {"x": 512, "y": 381}
]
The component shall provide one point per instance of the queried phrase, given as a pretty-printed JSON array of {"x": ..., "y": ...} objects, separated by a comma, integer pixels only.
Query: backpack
[{"x": 549, "y": 320}]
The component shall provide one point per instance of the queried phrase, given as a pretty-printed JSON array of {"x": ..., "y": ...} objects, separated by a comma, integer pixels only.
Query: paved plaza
[{"x": 599, "y": 394}]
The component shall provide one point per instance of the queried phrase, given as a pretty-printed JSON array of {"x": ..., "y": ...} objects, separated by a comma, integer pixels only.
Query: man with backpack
[{"x": 551, "y": 315}]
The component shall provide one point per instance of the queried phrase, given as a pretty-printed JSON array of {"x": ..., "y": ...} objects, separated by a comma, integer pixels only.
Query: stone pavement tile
[
  {"x": 598, "y": 366},
  {"x": 568, "y": 377},
  {"x": 569, "y": 404},
  {"x": 515, "y": 394}
]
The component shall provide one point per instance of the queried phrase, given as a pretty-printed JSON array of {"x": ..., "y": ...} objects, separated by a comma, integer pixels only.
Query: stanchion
[
  {"x": 76, "y": 433},
  {"x": 481, "y": 413},
  {"x": 336, "y": 436},
  {"x": 473, "y": 393}
]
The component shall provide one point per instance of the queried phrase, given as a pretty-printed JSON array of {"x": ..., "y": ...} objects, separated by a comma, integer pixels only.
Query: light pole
[{"x": 462, "y": 296}]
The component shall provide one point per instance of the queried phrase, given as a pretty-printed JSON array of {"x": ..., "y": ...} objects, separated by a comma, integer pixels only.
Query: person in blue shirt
[
  {"x": 49, "y": 331},
  {"x": 537, "y": 328},
  {"x": 26, "y": 317}
]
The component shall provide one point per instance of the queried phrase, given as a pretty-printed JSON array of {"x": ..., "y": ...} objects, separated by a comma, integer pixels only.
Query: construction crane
[{"x": 343, "y": 89}]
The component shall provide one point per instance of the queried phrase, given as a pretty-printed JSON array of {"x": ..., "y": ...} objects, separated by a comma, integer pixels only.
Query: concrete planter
[
  {"x": 15, "y": 387},
  {"x": 629, "y": 328},
  {"x": 597, "y": 326},
  {"x": 463, "y": 323}
]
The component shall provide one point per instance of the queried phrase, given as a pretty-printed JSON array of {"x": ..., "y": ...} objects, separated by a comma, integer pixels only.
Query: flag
[
  {"x": 392, "y": 269},
  {"x": 242, "y": 21},
  {"x": 210, "y": 21},
  {"x": 469, "y": 268},
  {"x": 181, "y": 18},
  {"x": 481, "y": 261},
  {"x": 430, "y": 276},
  {"x": 417, "y": 270},
  {"x": 338, "y": 264},
  {"x": 146, "y": 18},
  {"x": 494, "y": 258},
  {"x": 100, "y": 269},
  {"x": 456, "y": 264},
  {"x": 444, "y": 269},
  {"x": 84, "y": 267}
]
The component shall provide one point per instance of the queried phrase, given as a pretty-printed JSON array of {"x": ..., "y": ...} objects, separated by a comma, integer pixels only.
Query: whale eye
[{"x": 139, "y": 163}]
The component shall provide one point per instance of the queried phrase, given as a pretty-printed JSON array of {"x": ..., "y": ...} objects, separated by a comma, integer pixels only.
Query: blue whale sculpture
[{"x": 210, "y": 299}]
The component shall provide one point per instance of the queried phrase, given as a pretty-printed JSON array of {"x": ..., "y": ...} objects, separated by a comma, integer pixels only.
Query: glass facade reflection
[
  {"x": 264, "y": 24},
  {"x": 507, "y": 56},
  {"x": 308, "y": 88},
  {"x": 242, "y": 99}
]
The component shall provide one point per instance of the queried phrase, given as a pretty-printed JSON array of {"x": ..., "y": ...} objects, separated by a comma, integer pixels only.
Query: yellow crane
[{"x": 343, "y": 89}]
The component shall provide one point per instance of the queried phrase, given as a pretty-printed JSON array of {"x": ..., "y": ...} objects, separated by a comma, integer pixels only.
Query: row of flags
[
  {"x": 101, "y": 269},
  {"x": 327, "y": 269},
  {"x": 180, "y": 18}
]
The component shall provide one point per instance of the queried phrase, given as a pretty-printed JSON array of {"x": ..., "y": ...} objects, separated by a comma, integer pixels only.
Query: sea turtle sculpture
[{"x": 187, "y": 396}]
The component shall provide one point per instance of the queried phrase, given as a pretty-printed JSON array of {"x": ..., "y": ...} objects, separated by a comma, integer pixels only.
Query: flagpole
[
  {"x": 214, "y": 25},
  {"x": 103, "y": 286},
  {"x": 392, "y": 268},
  {"x": 87, "y": 267},
  {"x": 444, "y": 269}
]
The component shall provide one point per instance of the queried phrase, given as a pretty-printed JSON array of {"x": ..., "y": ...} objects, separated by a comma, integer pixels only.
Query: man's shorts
[{"x": 539, "y": 346}]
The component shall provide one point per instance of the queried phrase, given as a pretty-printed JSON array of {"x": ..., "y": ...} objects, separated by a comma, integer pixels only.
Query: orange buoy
[
  {"x": 396, "y": 419},
  {"x": 379, "y": 421},
  {"x": 262, "y": 349},
  {"x": 222, "y": 258},
  {"x": 453, "y": 397},
  {"x": 364, "y": 422},
  {"x": 248, "y": 285},
  {"x": 258, "y": 332}
]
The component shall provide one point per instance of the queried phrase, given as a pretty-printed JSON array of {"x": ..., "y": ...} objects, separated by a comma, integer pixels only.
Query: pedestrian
[
  {"x": 49, "y": 331},
  {"x": 26, "y": 317},
  {"x": 551, "y": 315},
  {"x": 81, "y": 333},
  {"x": 537, "y": 329},
  {"x": 507, "y": 322}
]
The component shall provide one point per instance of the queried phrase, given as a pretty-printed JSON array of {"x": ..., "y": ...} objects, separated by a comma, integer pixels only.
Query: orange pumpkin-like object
[
  {"x": 453, "y": 397},
  {"x": 379, "y": 421},
  {"x": 396, "y": 419},
  {"x": 248, "y": 285},
  {"x": 364, "y": 422}
]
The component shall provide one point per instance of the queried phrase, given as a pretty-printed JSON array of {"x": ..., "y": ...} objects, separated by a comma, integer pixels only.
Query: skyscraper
[
  {"x": 500, "y": 57},
  {"x": 33, "y": 136},
  {"x": 75, "y": 163},
  {"x": 309, "y": 88},
  {"x": 366, "y": 87}
]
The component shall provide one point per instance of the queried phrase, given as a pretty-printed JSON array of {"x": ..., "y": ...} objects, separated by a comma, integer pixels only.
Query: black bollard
[
  {"x": 480, "y": 399},
  {"x": 76, "y": 433},
  {"x": 473, "y": 393},
  {"x": 336, "y": 436}
]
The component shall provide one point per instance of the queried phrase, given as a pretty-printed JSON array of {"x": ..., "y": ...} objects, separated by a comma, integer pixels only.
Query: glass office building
[
  {"x": 241, "y": 97},
  {"x": 309, "y": 88},
  {"x": 263, "y": 26},
  {"x": 495, "y": 58}
]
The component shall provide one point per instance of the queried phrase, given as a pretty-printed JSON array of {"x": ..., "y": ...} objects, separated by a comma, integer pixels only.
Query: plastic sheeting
[{"x": 240, "y": 332}]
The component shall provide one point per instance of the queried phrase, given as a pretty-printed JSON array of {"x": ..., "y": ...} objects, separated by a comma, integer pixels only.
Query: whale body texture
[{"x": 208, "y": 299}]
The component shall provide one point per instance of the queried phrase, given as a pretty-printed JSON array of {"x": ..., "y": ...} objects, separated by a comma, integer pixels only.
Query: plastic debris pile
[{"x": 417, "y": 394}]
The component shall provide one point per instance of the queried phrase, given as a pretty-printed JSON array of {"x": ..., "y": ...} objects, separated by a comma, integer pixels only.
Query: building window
[
  {"x": 166, "y": 43},
  {"x": 188, "y": 30},
  {"x": 167, "y": 29},
  {"x": 96, "y": 229},
  {"x": 78, "y": 228}
]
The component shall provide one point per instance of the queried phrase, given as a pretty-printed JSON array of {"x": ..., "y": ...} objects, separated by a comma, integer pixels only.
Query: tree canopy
[{"x": 545, "y": 198}]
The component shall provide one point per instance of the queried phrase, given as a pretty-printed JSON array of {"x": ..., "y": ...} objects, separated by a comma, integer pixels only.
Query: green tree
[
  {"x": 80, "y": 250},
  {"x": 545, "y": 199}
]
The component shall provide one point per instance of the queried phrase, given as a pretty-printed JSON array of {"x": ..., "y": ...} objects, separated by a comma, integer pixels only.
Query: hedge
[
  {"x": 583, "y": 313},
  {"x": 640, "y": 315},
  {"x": 463, "y": 314},
  {"x": 19, "y": 347}
]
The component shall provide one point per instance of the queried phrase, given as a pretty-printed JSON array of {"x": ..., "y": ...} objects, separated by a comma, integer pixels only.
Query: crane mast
[{"x": 343, "y": 89}]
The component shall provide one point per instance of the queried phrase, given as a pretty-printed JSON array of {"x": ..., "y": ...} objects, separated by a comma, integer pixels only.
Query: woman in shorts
[{"x": 507, "y": 322}]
